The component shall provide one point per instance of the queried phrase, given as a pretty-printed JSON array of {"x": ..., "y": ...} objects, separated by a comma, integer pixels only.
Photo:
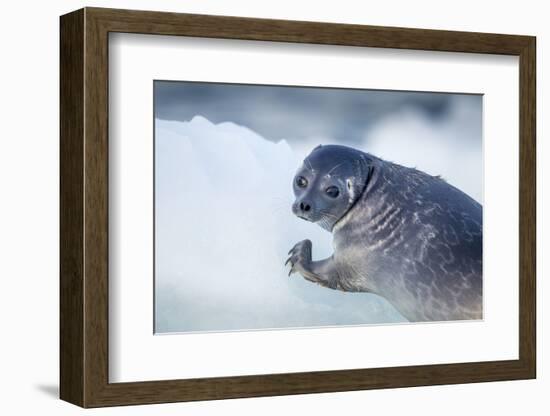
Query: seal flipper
[{"x": 323, "y": 272}]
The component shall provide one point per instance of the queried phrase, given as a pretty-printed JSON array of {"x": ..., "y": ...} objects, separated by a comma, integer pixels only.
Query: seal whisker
[
  {"x": 308, "y": 165},
  {"x": 334, "y": 168}
]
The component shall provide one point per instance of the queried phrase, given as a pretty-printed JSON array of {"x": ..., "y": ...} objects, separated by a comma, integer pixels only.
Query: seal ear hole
[{"x": 349, "y": 184}]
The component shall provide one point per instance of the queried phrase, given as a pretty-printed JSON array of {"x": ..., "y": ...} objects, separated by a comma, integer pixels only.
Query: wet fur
[{"x": 407, "y": 236}]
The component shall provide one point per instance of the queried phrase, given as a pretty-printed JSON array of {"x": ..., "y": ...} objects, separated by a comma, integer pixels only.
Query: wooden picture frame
[{"x": 84, "y": 207}]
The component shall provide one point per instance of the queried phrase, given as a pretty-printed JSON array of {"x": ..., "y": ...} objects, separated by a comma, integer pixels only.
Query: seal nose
[{"x": 305, "y": 207}]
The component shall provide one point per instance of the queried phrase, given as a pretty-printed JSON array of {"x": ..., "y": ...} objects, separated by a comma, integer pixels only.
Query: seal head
[{"x": 329, "y": 182}]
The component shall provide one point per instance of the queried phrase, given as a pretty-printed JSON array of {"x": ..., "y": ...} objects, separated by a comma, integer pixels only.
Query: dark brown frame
[{"x": 84, "y": 209}]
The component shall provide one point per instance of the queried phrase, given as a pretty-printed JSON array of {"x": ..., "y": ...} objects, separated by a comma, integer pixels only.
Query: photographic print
[
  {"x": 282, "y": 207},
  {"x": 328, "y": 185}
]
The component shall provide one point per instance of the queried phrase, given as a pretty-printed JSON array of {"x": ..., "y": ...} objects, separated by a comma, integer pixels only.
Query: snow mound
[{"x": 223, "y": 227}]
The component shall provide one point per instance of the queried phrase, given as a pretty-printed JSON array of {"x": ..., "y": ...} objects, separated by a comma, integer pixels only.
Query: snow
[{"x": 223, "y": 229}]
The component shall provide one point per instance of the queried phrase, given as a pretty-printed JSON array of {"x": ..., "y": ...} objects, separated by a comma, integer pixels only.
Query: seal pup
[{"x": 400, "y": 233}]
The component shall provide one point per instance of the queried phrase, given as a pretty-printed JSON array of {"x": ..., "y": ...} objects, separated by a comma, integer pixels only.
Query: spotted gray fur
[{"x": 407, "y": 236}]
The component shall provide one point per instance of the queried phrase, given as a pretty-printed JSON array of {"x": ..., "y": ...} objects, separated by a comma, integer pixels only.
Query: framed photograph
[{"x": 255, "y": 207}]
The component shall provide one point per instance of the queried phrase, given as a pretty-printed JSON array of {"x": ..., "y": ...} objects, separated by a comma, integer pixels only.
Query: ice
[{"x": 223, "y": 229}]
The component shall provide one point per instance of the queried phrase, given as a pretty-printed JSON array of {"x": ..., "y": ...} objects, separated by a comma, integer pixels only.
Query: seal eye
[
  {"x": 332, "y": 191},
  {"x": 301, "y": 182}
]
